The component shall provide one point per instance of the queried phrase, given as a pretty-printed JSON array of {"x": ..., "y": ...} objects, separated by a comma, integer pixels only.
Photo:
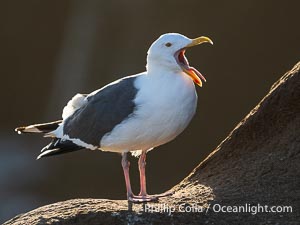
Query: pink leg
[
  {"x": 130, "y": 196},
  {"x": 125, "y": 165},
  {"x": 143, "y": 196},
  {"x": 143, "y": 191},
  {"x": 142, "y": 169}
]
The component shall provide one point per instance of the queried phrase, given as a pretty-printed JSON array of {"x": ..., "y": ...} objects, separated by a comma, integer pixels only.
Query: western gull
[{"x": 133, "y": 114}]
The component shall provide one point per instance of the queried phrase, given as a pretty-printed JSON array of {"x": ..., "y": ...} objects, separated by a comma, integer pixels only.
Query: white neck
[{"x": 155, "y": 65}]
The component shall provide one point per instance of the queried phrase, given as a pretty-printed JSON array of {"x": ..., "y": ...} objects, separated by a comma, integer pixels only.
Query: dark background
[{"x": 50, "y": 50}]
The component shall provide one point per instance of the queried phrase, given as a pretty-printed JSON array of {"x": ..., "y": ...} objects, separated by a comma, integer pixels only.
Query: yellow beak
[{"x": 199, "y": 41}]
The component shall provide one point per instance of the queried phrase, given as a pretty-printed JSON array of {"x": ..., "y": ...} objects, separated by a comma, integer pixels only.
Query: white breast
[{"x": 165, "y": 106}]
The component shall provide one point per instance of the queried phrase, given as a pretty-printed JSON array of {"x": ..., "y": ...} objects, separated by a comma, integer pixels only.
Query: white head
[{"x": 167, "y": 52}]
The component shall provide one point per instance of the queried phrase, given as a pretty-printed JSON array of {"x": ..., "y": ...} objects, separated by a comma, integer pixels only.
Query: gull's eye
[{"x": 168, "y": 44}]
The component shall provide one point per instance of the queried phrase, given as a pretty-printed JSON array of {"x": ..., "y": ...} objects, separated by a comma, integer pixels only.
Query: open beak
[{"x": 183, "y": 62}]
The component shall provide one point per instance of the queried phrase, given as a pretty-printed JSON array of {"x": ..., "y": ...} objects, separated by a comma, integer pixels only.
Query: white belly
[{"x": 164, "y": 109}]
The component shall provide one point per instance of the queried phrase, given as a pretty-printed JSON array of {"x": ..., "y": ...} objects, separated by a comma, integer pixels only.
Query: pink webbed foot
[{"x": 148, "y": 198}]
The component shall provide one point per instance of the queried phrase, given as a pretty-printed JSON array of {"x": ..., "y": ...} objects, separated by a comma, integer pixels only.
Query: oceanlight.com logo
[
  {"x": 253, "y": 209},
  {"x": 217, "y": 208}
]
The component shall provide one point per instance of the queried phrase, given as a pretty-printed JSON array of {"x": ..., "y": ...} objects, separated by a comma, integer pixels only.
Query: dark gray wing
[{"x": 103, "y": 111}]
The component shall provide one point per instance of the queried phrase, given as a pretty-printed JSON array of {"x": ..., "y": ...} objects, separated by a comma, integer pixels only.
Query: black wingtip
[
  {"x": 49, "y": 152},
  {"x": 58, "y": 147},
  {"x": 42, "y": 155}
]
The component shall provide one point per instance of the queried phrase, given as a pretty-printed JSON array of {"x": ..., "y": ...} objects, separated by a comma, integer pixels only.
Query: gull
[{"x": 134, "y": 114}]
